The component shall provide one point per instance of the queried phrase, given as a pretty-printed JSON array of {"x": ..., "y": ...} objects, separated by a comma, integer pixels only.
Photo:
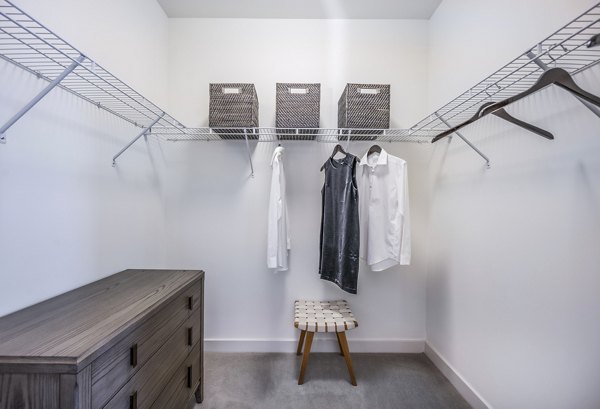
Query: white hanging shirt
[
  {"x": 278, "y": 239},
  {"x": 384, "y": 212}
]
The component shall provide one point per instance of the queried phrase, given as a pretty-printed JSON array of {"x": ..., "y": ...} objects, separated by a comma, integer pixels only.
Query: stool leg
[
  {"x": 300, "y": 342},
  {"x": 346, "y": 351},
  {"x": 309, "y": 338},
  {"x": 337, "y": 334}
]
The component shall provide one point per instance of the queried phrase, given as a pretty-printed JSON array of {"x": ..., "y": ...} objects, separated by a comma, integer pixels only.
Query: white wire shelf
[
  {"x": 565, "y": 49},
  {"x": 28, "y": 44},
  {"x": 266, "y": 134}
]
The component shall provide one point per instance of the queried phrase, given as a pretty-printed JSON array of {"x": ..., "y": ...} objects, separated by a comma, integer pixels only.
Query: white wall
[
  {"x": 217, "y": 215},
  {"x": 66, "y": 216},
  {"x": 264, "y": 52},
  {"x": 512, "y": 290}
]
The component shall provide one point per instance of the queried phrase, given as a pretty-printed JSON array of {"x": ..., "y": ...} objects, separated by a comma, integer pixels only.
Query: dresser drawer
[
  {"x": 182, "y": 386},
  {"x": 143, "y": 388},
  {"x": 116, "y": 366}
]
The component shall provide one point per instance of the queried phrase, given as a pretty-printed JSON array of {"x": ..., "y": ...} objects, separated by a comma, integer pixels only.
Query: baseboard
[
  {"x": 321, "y": 343},
  {"x": 464, "y": 388}
]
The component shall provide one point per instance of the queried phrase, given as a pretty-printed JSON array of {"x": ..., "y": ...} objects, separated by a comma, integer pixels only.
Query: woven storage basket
[
  {"x": 366, "y": 108},
  {"x": 233, "y": 106},
  {"x": 297, "y": 106}
]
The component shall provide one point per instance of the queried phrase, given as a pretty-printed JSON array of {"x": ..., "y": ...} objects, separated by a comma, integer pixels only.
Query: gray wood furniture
[{"x": 133, "y": 340}]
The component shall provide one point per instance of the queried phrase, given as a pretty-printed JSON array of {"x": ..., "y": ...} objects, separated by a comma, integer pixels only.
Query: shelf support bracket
[
  {"x": 531, "y": 55},
  {"x": 134, "y": 140},
  {"x": 487, "y": 160},
  {"x": 39, "y": 97},
  {"x": 249, "y": 153}
]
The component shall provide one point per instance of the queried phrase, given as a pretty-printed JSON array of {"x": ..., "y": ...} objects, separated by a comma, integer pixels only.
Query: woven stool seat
[{"x": 323, "y": 316}]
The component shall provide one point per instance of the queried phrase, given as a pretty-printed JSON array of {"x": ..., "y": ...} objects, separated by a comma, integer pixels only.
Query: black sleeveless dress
[{"x": 340, "y": 234}]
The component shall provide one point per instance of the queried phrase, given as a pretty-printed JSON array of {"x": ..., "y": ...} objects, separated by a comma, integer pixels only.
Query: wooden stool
[{"x": 323, "y": 316}]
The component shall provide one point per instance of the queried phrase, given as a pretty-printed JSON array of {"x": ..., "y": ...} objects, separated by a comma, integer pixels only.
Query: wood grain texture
[
  {"x": 80, "y": 325},
  {"x": 113, "y": 368},
  {"x": 84, "y": 388},
  {"x": 72, "y": 351},
  {"x": 30, "y": 391},
  {"x": 147, "y": 380},
  {"x": 199, "y": 394},
  {"x": 176, "y": 394},
  {"x": 67, "y": 392}
]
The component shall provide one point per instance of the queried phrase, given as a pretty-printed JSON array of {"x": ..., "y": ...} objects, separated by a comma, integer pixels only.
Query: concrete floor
[{"x": 269, "y": 381}]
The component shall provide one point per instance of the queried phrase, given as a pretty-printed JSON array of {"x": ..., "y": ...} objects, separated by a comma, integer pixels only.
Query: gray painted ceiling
[{"x": 306, "y": 9}]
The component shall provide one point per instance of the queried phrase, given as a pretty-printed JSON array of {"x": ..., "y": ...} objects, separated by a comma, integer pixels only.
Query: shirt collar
[
  {"x": 381, "y": 160},
  {"x": 278, "y": 151}
]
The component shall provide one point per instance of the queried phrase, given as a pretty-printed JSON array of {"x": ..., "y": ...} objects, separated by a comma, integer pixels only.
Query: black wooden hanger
[
  {"x": 500, "y": 113},
  {"x": 338, "y": 148},
  {"x": 374, "y": 149},
  {"x": 556, "y": 76}
]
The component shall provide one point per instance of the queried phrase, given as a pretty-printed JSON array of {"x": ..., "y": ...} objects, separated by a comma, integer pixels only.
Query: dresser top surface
[{"x": 75, "y": 325}]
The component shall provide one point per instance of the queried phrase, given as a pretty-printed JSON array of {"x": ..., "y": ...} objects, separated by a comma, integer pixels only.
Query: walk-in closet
[{"x": 270, "y": 204}]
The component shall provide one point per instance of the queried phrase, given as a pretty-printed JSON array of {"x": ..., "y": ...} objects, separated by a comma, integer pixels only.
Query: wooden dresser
[{"x": 133, "y": 340}]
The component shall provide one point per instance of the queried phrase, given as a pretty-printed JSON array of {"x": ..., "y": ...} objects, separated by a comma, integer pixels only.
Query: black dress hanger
[
  {"x": 338, "y": 148},
  {"x": 500, "y": 113},
  {"x": 374, "y": 149},
  {"x": 556, "y": 76},
  {"x": 593, "y": 42}
]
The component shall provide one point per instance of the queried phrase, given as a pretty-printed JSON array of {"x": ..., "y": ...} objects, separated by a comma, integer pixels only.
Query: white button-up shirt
[
  {"x": 384, "y": 211},
  {"x": 278, "y": 239}
]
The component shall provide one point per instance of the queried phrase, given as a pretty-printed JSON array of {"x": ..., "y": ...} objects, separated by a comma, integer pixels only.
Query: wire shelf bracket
[
  {"x": 461, "y": 136},
  {"x": 249, "y": 153},
  {"x": 39, "y": 97},
  {"x": 134, "y": 140}
]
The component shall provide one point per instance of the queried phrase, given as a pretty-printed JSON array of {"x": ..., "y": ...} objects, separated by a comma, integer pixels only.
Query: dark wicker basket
[
  {"x": 298, "y": 106},
  {"x": 233, "y": 105},
  {"x": 366, "y": 108}
]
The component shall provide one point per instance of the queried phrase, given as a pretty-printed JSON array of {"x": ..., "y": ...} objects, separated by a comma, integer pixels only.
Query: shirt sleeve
[
  {"x": 405, "y": 245},
  {"x": 273, "y": 217}
]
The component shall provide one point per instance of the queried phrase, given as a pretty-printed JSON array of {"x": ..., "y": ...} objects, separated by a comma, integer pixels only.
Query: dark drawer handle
[
  {"x": 190, "y": 336},
  {"x": 133, "y": 400},
  {"x": 133, "y": 355},
  {"x": 189, "y": 377},
  {"x": 190, "y": 303}
]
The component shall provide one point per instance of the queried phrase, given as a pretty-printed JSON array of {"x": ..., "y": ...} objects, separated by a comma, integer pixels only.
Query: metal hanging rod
[{"x": 272, "y": 134}]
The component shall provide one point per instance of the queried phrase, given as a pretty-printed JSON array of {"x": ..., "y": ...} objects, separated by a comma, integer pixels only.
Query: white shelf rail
[{"x": 272, "y": 134}]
